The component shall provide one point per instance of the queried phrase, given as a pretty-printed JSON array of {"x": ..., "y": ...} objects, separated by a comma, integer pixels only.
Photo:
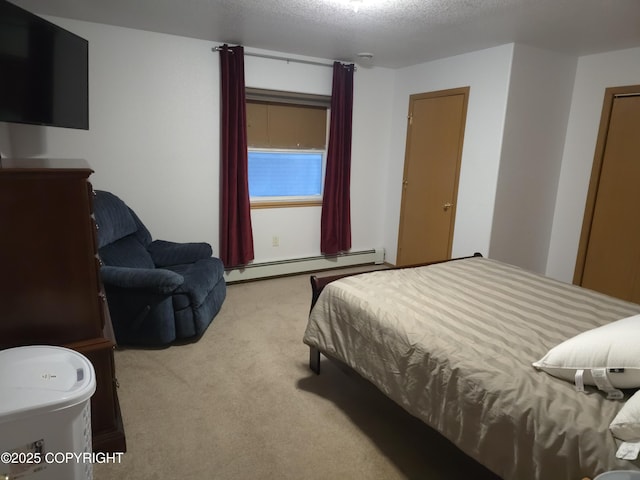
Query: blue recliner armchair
[{"x": 158, "y": 292}]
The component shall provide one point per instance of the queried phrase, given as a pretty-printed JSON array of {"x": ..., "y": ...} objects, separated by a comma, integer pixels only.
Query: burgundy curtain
[
  {"x": 335, "y": 223},
  {"x": 236, "y": 236}
]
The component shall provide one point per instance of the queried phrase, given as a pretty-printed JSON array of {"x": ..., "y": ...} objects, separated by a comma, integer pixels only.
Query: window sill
[{"x": 286, "y": 204}]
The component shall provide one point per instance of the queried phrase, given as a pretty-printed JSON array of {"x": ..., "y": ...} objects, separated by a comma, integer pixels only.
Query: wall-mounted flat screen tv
[{"x": 44, "y": 75}]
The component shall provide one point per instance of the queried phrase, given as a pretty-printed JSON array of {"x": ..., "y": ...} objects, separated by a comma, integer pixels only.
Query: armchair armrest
[
  {"x": 166, "y": 253},
  {"x": 152, "y": 280}
]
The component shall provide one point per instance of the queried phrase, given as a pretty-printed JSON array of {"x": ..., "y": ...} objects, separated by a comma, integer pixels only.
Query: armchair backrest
[{"x": 122, "y": 237}]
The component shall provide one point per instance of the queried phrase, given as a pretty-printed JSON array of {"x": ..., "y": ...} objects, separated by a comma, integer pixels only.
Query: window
[
  {"x": 296, "y": 175},
  {"x": 287, "y": 138}
]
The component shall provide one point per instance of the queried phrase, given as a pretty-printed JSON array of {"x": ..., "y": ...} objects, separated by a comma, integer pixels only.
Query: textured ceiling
[{"x": 397, "y": 32}]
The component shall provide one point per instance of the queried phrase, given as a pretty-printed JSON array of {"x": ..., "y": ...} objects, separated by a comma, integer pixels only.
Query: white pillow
[
  {"x": 626, "y": 424},
  {"x": 615, "y": 346}
]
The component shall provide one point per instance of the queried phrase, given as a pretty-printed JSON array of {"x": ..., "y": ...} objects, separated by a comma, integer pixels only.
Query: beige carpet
[{"x": 241, "y": 403}]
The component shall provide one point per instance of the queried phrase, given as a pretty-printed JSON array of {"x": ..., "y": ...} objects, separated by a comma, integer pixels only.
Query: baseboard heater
[{"x": 293, "y": 266}]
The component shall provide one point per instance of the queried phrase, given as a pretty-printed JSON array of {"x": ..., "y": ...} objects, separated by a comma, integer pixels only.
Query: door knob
[{"x": 447, "y": 206}]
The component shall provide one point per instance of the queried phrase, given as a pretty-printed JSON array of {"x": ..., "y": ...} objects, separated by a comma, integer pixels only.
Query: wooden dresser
[{"x": 50, "y": 288}]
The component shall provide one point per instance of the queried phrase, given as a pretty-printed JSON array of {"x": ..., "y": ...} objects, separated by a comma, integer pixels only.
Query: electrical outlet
[{"x": 275, "y": 241}]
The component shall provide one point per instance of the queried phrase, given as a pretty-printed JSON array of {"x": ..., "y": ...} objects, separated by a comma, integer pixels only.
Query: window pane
[{"x": 285, "y": 174}]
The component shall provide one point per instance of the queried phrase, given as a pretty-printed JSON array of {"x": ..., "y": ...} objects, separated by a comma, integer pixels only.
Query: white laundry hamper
[{"x": 45, "y": 414}]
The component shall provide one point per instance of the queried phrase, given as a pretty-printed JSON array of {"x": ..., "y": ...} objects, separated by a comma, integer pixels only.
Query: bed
[{"x": 453, "y": 343}]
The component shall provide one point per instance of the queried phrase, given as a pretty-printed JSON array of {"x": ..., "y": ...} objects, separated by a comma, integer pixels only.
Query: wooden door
[
  {"x": 609, "y": 254},
  {"x": 431, "y": 170}
]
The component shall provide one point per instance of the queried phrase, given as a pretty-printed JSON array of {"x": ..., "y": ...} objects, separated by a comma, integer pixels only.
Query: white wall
[
  {"x": 298, "y": 228},
  {"x": 536, "y": 121},
  {"x": 594, "y": 74},
  {"x": 487, "y": 73},
  {"x": 154, "y": 140},
  {"x": 154, "y": 137}
]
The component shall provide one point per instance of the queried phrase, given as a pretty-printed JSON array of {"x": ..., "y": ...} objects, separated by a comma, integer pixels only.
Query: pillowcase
[
  {"x": 614, "y": 347},
  {"x": 626, "y": 424}
]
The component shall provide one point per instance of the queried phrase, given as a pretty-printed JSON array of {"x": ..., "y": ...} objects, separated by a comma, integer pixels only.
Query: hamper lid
[{"x": 36, "y": 379}]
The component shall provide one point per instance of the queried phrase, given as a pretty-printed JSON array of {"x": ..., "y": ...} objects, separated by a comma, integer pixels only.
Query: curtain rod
[{"x": 276, "y": 57}]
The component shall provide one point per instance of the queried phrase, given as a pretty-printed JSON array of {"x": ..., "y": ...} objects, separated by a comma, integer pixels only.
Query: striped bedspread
[{"x": 453, "y": 344}]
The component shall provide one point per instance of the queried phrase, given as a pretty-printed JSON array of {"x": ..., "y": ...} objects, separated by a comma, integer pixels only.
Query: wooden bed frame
[{"x": 318, "y": 284}]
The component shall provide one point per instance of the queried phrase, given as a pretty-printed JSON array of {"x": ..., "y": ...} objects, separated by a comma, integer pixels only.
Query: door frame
[
  {"x": 601, "y": 143},
  {"x": 464, "y": 91}
]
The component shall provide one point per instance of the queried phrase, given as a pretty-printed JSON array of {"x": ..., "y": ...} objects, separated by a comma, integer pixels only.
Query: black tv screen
[{"x": 44, "y": 75}]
